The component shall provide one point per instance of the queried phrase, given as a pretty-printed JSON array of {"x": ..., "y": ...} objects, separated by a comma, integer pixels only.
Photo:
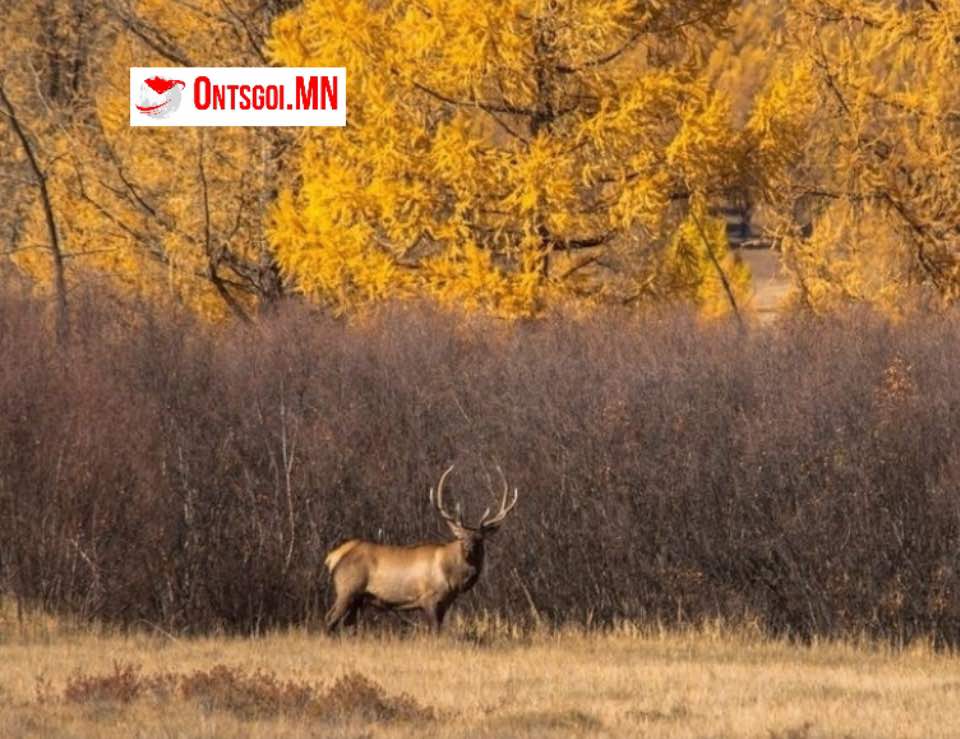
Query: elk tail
[{"x": 335, "y": 555}]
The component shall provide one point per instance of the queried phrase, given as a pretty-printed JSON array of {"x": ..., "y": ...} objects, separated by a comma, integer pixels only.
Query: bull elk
[{"x": 428, "y": 577}]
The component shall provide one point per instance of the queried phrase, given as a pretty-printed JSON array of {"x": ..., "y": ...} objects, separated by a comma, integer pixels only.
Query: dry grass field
[{"x": 477, "y": 680}]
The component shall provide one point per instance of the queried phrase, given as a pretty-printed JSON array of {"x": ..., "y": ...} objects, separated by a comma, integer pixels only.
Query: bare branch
[
  {"x": 56, "y": 253},
  {"x": 213, "y": 260}
]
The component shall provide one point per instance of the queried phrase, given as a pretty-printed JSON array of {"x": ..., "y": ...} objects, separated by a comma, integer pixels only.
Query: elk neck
[{"x": 465, "y": 563}]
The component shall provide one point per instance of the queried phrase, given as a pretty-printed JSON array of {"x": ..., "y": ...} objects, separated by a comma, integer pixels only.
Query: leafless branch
[{"x": 56, "y": 253}]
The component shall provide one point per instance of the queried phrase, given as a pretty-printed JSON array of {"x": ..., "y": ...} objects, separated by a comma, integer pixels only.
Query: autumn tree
[
  {"x": 45, "y": 54},
  {"x": 190, "y": 202},
  {"x": 169, "y": 214},
  {"x": 871, "y": 212},
  {"x": 506, "y": 154}
]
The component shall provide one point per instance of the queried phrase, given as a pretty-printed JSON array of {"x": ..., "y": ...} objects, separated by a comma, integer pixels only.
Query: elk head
[{"x": 471, "y": 537}]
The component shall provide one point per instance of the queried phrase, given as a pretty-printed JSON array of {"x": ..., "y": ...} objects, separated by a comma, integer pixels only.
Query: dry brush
[{"x": 806, "y": 476}]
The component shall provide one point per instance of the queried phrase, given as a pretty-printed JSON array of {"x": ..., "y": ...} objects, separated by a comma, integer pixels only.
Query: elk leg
[
  {"x": 441, "y": 613},
  {"x": 435, "y": 613},
  {"x": 350, "y": 618},
  {"x": 338, "y": 611}
]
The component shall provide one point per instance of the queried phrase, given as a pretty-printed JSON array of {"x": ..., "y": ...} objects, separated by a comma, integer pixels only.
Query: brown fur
[
  {"x": 335, "y": 555},
  {"x": 426, "y": 577}
]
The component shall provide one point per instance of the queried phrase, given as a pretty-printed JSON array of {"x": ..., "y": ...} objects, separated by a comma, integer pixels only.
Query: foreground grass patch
[{"x": 624, "y": 682}]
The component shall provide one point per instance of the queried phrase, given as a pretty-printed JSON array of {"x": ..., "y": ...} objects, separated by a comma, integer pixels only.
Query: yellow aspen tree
[{"x": 509, "y": 154}]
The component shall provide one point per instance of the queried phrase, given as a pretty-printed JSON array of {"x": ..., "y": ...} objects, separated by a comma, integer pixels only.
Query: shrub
[
  {"x": 356, "y": 696},
  {"x": 120, "y": 686},
  {"x": 255, "y": 695},
  {"x": 124, "y": 685},
  {"x": 250, "y": 695}
]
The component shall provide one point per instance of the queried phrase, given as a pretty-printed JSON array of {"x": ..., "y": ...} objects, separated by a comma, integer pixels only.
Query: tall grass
[{"x": 805, "y": 476}]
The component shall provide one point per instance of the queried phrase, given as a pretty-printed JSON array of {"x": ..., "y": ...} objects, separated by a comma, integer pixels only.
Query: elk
[{"x": 425, "y": 577}]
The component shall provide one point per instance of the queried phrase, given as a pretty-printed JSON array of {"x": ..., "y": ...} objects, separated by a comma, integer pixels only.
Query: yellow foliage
[
  {"x": 700, "y": 268},
  {"x": 166, "y": 213},
  {"x": 869, "y": 212},
  {"x": 503, "y": 154},
  {"x": 506, "y": 156}
]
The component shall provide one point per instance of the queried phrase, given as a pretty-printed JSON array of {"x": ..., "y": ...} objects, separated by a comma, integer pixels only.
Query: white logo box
[{"x": 238, "y": 96}]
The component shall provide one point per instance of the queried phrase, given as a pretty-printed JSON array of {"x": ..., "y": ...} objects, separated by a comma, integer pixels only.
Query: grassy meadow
[{"x": 480, "y": 679}]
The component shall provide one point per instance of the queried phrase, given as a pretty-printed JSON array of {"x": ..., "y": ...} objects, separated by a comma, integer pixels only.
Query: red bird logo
[{"x": 161, "y": 88}]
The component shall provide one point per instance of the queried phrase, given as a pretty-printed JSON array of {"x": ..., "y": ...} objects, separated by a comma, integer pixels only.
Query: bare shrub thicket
[{"x": 805, "y": 476}]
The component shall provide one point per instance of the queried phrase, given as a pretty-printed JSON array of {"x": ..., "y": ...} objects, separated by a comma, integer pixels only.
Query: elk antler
[
  {"x": 438, "y": 501},
  {"x": 504, "y": 508}
]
